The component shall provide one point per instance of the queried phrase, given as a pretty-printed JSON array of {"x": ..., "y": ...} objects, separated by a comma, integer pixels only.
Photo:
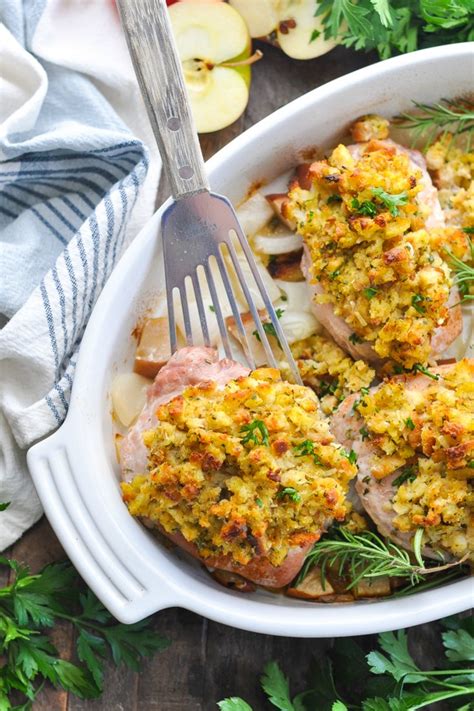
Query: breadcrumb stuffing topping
[
  {"x": 370, "y": 251},
  {"x": 250, "y": 468},
  {"x": 427, "y": 436},
  {"x": 329, "y": 370}
]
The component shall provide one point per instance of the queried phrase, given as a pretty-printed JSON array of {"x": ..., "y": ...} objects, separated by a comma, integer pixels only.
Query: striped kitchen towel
[{"x": 72, "y": 178}]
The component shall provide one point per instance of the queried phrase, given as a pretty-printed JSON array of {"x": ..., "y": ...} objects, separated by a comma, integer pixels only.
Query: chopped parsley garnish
[
  {"x": 211, "y": 308},
  {"x": 334, "y": 198},
  {"x": 354, "y": 338},
  {"x": 366, "y": 207},
  {"x": 314, "y": 36},
  {"x": 259, "y": 502},
  {"x": 269, "y": 328},
  {"x": 370, "y": 292},
  {"x": 256, "y": 432},
  {"x": 365, "y": 391},
  {"x": 471, "y": 464},
  {"x": 351, "y": 456},
  {"x": 328, "y": 388},
  {"x": 416, "y": 302},
  {"x": 306, "y": 448},
  {"x": 419, "y": 368},
  {"x": 407, "y": 474},
  {"x": 391, "y": 201},
  {"x": 409, "y": 423},
  {"x": 468, "y": 230},
  {"x": 334, "y": 274},
  {"x": 364, "y": 432},
  {"x": 291, "y": 493},
  {"x": 398, "y": 369}
]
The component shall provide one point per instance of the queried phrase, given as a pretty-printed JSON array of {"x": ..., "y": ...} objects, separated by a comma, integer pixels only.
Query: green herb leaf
[
  {"x": 417, "y": 301},
  {"x": 234, "y": 703},
  {"x": 409, "y": 423},
  {"x": 276, "y": 686},
  {"x": 370, "y": 292},
  {"x": 291, "y": 493},
  {"x": 419, "y": 368},
  {"x": 269, "y": 328},
  {"x": 407, "y": 474},
  {"x": 4, "y": 505},
  {"x": 314, "y": 36},
  {"x": 459, "y": 645},
  {"x": 256, "y": 433},
  {"x": 333, "y": 199},
  {"x": 392, "y": 202},
  {"x": 354, "y": 338},
  {"x": 364, "y": 433},
  {"x": 399, "y": 662},
  {"x": 367, "y": 207}
]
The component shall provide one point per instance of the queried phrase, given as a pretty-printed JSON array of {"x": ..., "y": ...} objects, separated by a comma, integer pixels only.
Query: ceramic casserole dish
[{"x": 75, "y": 470}]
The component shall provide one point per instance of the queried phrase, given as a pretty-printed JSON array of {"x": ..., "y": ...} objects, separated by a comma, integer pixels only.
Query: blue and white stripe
[{"x": 68, "y": 186}]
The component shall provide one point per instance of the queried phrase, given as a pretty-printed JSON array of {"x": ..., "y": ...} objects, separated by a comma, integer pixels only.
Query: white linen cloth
[{"x": 76, "y": 185}]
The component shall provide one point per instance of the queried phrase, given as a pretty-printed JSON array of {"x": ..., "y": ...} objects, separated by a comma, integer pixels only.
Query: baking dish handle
[{"x": 105, "y": 565}]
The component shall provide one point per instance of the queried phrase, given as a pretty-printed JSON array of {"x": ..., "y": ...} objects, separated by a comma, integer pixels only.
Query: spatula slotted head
[{"x": 203, "y": 243}]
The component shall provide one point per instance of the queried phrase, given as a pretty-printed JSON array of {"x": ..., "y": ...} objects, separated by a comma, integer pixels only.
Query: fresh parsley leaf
[
  {"x": 90, "y": 650},
  {"x": 276, "y": 686},
  {"x": 370, "y": 292},
  {"x": 291, "y": 493},
  {"x": 32, "y": 603},
  {"x": 364, "y": 433},
  {"x": 351, "y": 456},
  {"x": 354, "y": 338},
  {"x": 256, "y": 433},
  {"x": 4, "y": 505},
  {"x": 314, "y": 36},
  {"x": 269, "y": 328},
  {"x": 392, "y": 202},
  {"x": 259, "y": 502},
  {"x": 234, "y": 703},
  {"x": 212, "y": 308},
  {"x": 468, "y": 230},
  {"x": 339, "y": 706},
  {"x": 399, "y": 662},
  {"x": 366, "y": 207},
  {"x": 334, "y": 198},
  {"x": 417, "y": 303},
  {"x": 459, "y": 645},
  {"x": 409, "y": 423}
]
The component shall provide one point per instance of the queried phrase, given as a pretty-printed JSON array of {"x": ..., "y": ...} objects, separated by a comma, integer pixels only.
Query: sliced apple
[
  {"x": 289, "y": 24},
  {"x": 301, "y": 34},
  {"x": 261, "y": 16},
  {"x": 214, "y": 47}
]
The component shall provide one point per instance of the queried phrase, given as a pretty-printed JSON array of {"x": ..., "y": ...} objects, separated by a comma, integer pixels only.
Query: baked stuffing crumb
[{"x": 329, "y": 370}]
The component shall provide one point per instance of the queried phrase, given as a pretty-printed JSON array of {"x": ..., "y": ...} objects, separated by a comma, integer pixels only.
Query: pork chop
[
  {"x": 375, "y": 494},
  {"x": 430, "y": 206},
  {"x": 192, "y": 366}
]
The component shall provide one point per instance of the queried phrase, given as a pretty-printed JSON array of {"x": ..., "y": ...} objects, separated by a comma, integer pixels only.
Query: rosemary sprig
[
  {"x": 367, "y": 555},
  {"x": 455, "y": 115},
  {"x": 464, "y": 272}
]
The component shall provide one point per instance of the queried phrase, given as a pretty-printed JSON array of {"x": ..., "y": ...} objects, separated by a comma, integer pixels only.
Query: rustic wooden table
[{"x": 207, "y": 661}]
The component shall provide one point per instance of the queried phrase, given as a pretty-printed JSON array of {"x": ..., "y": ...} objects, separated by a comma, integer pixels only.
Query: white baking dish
[{"x": 75, "y": 470}]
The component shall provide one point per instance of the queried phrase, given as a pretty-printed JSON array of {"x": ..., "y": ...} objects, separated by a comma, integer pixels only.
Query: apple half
[
  {"x": 288, "y": 24},
  {"x": 214, "y": 46}
]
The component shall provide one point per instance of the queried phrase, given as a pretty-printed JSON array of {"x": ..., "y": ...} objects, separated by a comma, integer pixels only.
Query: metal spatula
[{"x": 200, "y": 228}]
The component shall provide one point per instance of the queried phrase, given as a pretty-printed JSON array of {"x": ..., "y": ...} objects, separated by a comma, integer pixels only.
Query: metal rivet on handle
[
  {"x": 186, "y": 172},
  {"x": 173, "y": 123}
]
